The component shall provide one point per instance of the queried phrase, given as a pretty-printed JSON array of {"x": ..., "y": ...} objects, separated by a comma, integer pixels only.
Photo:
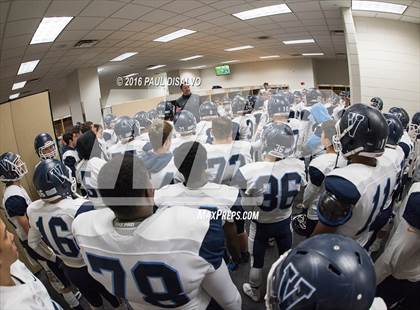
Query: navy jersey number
[
  {"x": 237, "y": 160},
  {"x": 250, "y": 126},
  {"x": 142, "y": 273},
  {"x": 279, "y": 194},
  {"x": 63, "y": 245}
]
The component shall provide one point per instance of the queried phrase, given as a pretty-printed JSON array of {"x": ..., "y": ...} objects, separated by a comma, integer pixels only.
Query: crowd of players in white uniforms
[{"x": 130, "y": 214}]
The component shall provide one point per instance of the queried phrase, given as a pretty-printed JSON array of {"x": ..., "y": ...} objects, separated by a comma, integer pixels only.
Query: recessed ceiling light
[
  {"x": 27, "y": 67},
  {"x": 174, "y": 35},
  {"x": 124, "y": 56},
  {"x": 199, "y": 67},
  {"x": 14, "y": 96},
  {"x": 270, "y": 56},
  {"x": 312, "y": 54},
  {"x": 376, "y": 6},
  {"x": 238, "y": 48},
  {"x": 191, "y": 57},
  {"x": 49, "y": 29},
  {"x": 299, "y": 41},
  {"x": 156, "y": 67},
  {"x": 130, "y": 75},
  {"x": 18, "y": 85},
  {"x": 263, "y": 11},
  {"x": 231, "y": 61}
]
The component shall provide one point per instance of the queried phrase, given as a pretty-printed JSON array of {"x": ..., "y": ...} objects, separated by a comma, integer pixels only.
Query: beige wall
[
  {"x": 331, "y": 71},
  {"x": 389, "y": 56}
]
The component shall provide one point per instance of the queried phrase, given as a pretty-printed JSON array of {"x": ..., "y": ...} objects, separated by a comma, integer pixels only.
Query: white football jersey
[
  {"x": 27, "y": 293},
  {"x": 224, "y": 160},
  {"x": 247, "y": 126},
  {"x": 402, "y": 252},
  {"x": 52, "y": 223},
  {"x": 318, "y": 168},
  {"x": 162, "y": 169},
  {"x": 271, "y": 187},
  {"x": 87, "y": 175},
  {"x": 179, "y": 140},
  {"x": 110, "y": 137},
  {"x": 367, "y": 189},
  {"x": 136, "y": 146},
  {"x": 204, "y": 131},
  {"x": 15, "y": 203},
  {"x": 158, "y": 263}
]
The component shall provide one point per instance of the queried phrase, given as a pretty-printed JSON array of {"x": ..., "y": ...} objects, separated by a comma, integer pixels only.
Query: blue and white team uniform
[
  {"x": 161, "y": 167},
  {"x": 270, "y": 188},
  {"x": 172, "y": 259},
  {"x": 137, "y": 146},
  {"x": 224, "y": 160},
  {"x": 87, "y": 175},
  {"x": 203, "y": 131},
  {"x": 109, "y": 137},
  {"x": 70, "y": 158},
  {"x": 246, "y": 127}
]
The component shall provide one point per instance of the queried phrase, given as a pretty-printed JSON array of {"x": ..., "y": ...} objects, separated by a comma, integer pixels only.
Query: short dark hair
[
  {"x": 265, "y": 83},
  {"x": 329, "y": 130},
  {"x": 190, "y": 158},
  {"x": 86, "y": 127},
  {"x": 221, "y": 127},
  {"x": 159, "y": 132},
  {"x": 75, "y": 129},
  {"x": 88, "y": 146},
  {"x": 67, "y": 137},
  {"x": 97, "y": 126},
  {"x": 122, "y": 183}
]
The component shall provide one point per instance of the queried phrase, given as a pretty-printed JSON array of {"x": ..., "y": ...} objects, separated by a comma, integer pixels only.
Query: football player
[
  {"x": 50, "y": 221},
  {"x": 45, "y": 146},
  {"x": 270, "y": 187},
  {"x": 245, "y": 122},
  {"x": 329, "y": 272},
  {"x": 15, "y": 203},
  {"x": 185, "y": 126},
  {"x": 159, "y": 161},
  {"x": 165, "y": 110},
  {"x": 19, "y": 288},
  {"x": 208, "y": 112},
  {"x": 196, "y": 191},
  {"x": 259, "y": 112},
  {"x": 377, "y": 103},
  {"x": 398, "y": 268},
  {"x": 69, "y": 153},
  {"x": 172, "y": 258},
  {"x": 144, "y": 123},
  {"x": 319, "y": 167},
  {"x": 355, "y": 194},
  {"x": 109, "y": 134}
]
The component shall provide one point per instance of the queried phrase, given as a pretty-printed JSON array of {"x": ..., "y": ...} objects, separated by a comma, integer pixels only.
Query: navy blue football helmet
[
  {"x": 278, "y": 140},
  {"x": 414, "y": 128},
  {"x": 259, "y": 103},
  {"x": 126, "y": 128},
  {"x": 45, "y": 146},
  {"x": 278, "y": 105},
  {"x": 313, "y": 96},
  {"x": 185, "y": 123},
  {"x": 298, "y": 96},
  {"x": 328, "y": 272},
  {"x": 143, "y": 119},
  {"x": 108, "y": 119},
  {"x": 377, "y": 102},
  {"x": 12, "y": 167},
  {"x": 396, "y": 129},
  {"x": 152, "y": 114},
  {"x": 165, "y": 110},
  {"x": 52, "y": 180},
  {"x": 208, "y": 110},
  {"x": 240, "y": 105},
  {"x": 361, "y": 130},
  {"x": 401, "y": 114}
]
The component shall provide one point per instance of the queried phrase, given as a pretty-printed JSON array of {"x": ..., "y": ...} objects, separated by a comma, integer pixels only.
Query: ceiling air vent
[
  {"x": 85, "y": 43},
  {"x": 294, "y": 55},
  {"x": 340, "y": 54},
  {"x": 263, "y": 37},
  {"x": 337, "y": 32},
  {"x": 33, "y": 80}
]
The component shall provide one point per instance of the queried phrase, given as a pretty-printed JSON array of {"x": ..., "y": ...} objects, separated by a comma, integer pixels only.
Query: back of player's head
[
  {"x": 67, "y": 137},
  {"x": 88, "y": 146},
  {"x": 86, "y": 127},
  {"x": 185, "y": 123},
  {"x": 328, "y": 129},
  {"x": 124, "y": 185},
  {"x": 159, "y": 132},
  {"x": 328, "y": 271},
  {"x": 396, "y": 129},
  {"x": 190, "y": 159},
  {"x": 221, "y": 128}
]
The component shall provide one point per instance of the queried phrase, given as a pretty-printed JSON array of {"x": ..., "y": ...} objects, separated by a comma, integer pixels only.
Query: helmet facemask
[
  {"x": 48, "y": 150},
  {"x": 17, "y": 166}
]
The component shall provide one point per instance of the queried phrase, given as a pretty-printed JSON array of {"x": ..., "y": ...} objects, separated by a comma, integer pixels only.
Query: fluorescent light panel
[
  {"x": 199, "y": 67},
  {"x": 299, "y": 41},
  {"x": 14, "y": 96},
  {"x": 191, "y": 57},
  {"x": 18, "y": 85},
  {"x": 27, "y": 67},
  {"x": 174, "y": 35},
  {"x": 124, "y": 56},
  {"x": 238, "y": 48},
  {"x": 270, "y": 56},
  {"x": 376, "y": 6},
  {"x": 49, "y": 29},
  {"x": 312, "y": 54},
  {"x": 230, "y": 61},
  {"x": 130, "y": 75},
  {"x": 263, "y": 11},
  {"x": 156, "y": 67}
]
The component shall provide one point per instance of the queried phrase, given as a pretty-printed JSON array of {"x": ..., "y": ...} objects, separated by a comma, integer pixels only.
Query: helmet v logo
[
  {"x": 353, "y": 122},
  {"x": 58, "y": 173},
  {"x": 293, "y": 289}
]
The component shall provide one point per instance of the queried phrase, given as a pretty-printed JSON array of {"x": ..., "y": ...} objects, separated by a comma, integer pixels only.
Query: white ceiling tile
[
  {"x": 334, "y": 4},
  {"x": 101, "y": 8},
  {"x": 410, "y": 19},
  {"x": 199, "y": 11},
  {"x": 304, "y": 6},
  {"x": 71, "y": 35},
  {"x": 17, "y": 41},
  {"x": 132, "y": 11},
  {"x": 12, "y": 52},
  {"x": 4, "y": 7},
  {"x": 210, "y": 16},
  {"x": 121, "y": 35},
  {"x": 20, "y": 27},
  {"x": 412, "y": 12},
  {"x": 154, "y": 3},
  {"x": 84, "y": 23},
  {"x": 175, "y": 20},
  {"x": 388, "y": 16},
  {"x": 27, "y": 9},
  {"x": 180, "y": 6},
  {"x": 66, "y": 8},
  {"x": 238, "y": 8},
  {"x": 157, "y": 16},
  {"x": 313, "y": 22},
  {"x": 112, "y": 24},
  {"x": 137, "y": 26},
  {"x": 97, "y": 34},
  {"x": 284, "y": 18},
  {"x": 310, "y": 15}
]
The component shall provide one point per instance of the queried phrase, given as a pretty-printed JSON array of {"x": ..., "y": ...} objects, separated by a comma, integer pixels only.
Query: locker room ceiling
[{"x": 132, "y": 25}]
